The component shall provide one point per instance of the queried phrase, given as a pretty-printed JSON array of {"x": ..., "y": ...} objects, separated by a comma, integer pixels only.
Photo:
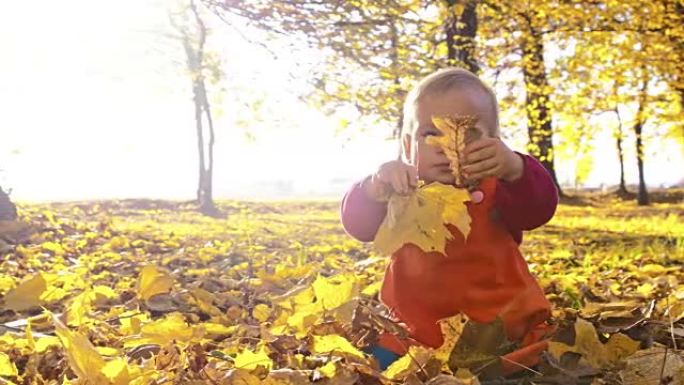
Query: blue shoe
[{"x": 384, "y": 357}]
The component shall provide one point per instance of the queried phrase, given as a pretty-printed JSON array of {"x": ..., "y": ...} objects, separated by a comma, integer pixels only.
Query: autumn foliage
[{"x": 154, "y": 293}]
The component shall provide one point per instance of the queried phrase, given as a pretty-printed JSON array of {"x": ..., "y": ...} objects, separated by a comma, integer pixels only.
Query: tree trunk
[
  {"x": 537, "y": 91},
  {"x": 678, "y": 39},
  {"x": 8, "y": 211},
  {"x": 622, "y": 190},
  {"x": 207, "y": 203},
  {"x": 202, "y": 194},
  {"x": 205, "y": 151},
  {"x": 623, "y": 187},
  {"x": 642, "y": 195},
  {"x": 461, "y": 31},
  {"x": 400, "y": 94}
]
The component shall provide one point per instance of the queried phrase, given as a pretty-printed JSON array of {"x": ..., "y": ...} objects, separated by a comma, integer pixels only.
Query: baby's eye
[{"x": 427, "y": 133}]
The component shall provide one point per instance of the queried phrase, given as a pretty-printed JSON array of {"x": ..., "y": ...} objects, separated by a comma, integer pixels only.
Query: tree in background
[
  {"x": 622, "y": 61},
  {"x": 375, "y": 50},
  {"x": 8, "y": 211},
  {"x": 202, "y": 67},
  {"x": 389, "y": 45}
]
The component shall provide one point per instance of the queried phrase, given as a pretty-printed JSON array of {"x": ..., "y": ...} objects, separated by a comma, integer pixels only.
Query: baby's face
[{"x": 433, "y": 165}]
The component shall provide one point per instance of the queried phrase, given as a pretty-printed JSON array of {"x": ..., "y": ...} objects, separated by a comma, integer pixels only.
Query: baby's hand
[
  {"x": 491, "y": 157},
  {"x": 394, "y": 176}
]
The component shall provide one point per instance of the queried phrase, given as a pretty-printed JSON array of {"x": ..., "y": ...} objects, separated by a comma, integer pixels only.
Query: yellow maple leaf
[
  {"x": 335, "y": 291},
  {"x": 27, "y": 294},
  {"x": 328, "y": 370},
  {"x": 132, "y": 321},
  {"x": 334, "y": 343},
  {"x": 163, "y": 331},
  {"x": 420, "y": 218},
  {"x": 83, "y": 358},
  {"x": 153, "y": 281},
  {"x": 452, "y": 328},
  {"x": 117, "y": 371},
  {"x": 261, "y": 312},
  {"x": 6, "y": 283},
  {"x": 79, "y": 307},
  {"x": 299, "y": 310},
  {"x": 44, "y": 343},
  {"x": 7, "y": 367},
  {"x": 451, "y": 201},
  {"x": 411, "y": 362},
  {"x": 596, "y": 354},
  {"x": 250, "y": 360},
  {"x": 41, "y": 344}
]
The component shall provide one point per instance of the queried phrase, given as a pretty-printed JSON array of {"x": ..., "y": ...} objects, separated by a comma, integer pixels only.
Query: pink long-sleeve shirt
[{"x": 524, "y": 204}]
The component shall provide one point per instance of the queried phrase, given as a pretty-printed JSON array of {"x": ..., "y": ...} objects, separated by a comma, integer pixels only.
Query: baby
[{"x": 484, "y": 276}]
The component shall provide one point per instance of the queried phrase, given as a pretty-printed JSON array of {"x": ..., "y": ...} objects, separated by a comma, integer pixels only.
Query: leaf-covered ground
[{"x": 149, "y": 292}]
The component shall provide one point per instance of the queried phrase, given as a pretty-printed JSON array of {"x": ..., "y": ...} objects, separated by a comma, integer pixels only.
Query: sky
[{"x": 96, "y": 106}]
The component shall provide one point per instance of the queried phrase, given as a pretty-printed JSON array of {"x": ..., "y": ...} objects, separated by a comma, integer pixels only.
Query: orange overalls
[{"x": 484, "y": 277}]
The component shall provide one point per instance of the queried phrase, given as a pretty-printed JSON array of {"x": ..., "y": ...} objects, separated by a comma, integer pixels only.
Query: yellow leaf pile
[{"x": 151, "y": 292}]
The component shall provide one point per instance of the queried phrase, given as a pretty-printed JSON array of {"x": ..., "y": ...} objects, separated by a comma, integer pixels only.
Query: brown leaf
[
  {"x": 162, "y": 303},
  {"x": 596, "y": 354},
  {"x": 480, "y": 346},
  {"x": 645, "y": 367}
]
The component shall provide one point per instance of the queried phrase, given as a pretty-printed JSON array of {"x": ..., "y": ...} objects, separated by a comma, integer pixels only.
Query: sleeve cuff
[{"x": 522, "y": 184}]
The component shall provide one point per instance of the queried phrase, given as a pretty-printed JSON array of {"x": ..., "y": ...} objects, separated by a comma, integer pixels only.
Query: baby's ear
[{"x": 406, "y": 144}]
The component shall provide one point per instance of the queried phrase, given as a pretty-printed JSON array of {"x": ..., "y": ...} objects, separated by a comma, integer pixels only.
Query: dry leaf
[
  {"x": 645, "y": 366},
  {"x": 250, "y": 360},
  {"x": 452, "y": 328},
  {"x": 480, "y": 347},
  {"x": 7, "y": 367},
  {"x": 411, "y": 362},
  {"x": 596, "y": 354},
  {"x": 83, "y": 358},
  {"x": 456, "y": 132},
  {"x": 422, "y": 219},
  {"x": 27, "y": 294},
  {"x": 153, "y": 281},
  {"x": 334, "y": 344}
]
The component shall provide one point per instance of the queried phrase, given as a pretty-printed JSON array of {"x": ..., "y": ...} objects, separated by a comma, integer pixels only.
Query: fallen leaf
[
  {"x": 409, "y": 363},
  {"x": 153, "y": 281},
  {"x": 452, "y": 328},
  {"x": 480, "y": 347},
  {"x": 596, "y": 354},
  {"x": 27, "y": 294},
  {"x": 171, "y": 328},
  {"x": 261, "y": 312},
  {"x": 7, "y": 367},
  {"x": 334, "y": 344},
  {"x": 83, "y": 358},
  {"x": 250, "y": 360},
  {"x": 645, "y": 367}
]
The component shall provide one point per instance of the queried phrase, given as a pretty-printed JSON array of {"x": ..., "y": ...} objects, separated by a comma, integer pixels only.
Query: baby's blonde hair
[{"x": 442, "y": 81}]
